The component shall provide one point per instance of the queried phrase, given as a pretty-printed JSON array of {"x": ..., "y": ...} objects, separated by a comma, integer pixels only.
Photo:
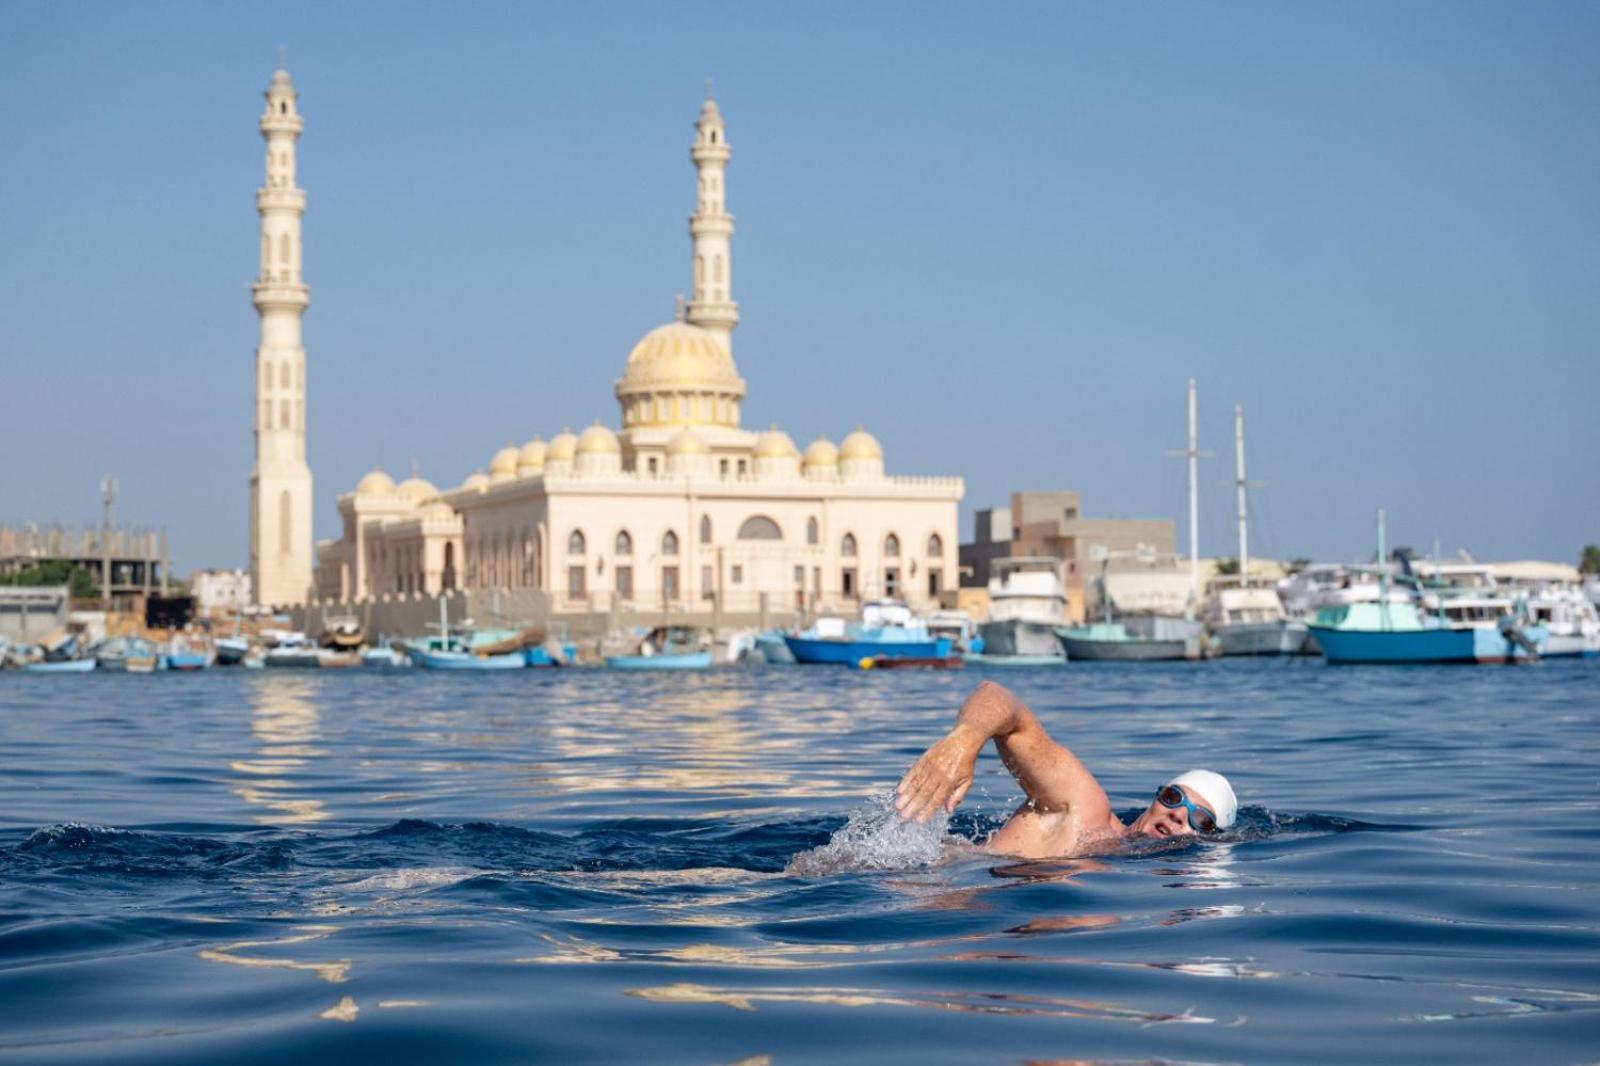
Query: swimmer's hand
[{"x": 941, "y": 777}]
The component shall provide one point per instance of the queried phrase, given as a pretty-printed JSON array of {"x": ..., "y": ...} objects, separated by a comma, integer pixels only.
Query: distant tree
[
  {"x": 56, "y": 572},
  {"x": 1590, "y": 564},
  {"x": 1227, "y": 566}
]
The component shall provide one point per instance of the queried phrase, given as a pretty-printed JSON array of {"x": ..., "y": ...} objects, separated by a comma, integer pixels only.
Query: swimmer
[{"x": 1066, "y": 813}]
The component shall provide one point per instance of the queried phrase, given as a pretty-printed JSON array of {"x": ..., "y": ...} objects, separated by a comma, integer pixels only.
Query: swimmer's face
[{"x": 1160, "y": 820}]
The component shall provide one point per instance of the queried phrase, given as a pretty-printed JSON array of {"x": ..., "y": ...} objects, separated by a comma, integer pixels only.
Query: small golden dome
[
  {"x": 598, "y": 440},
  {"x": 776, "y": 444},
  {"x": 477, "y": 481},
  {"x": 563, "y": 446},
  {"x": 531, "y": 459},
  {"x": 687, "y": 442},
  {"x": 860, "y": 445},
  {"x": 375, "y": 483},
  {"x": 416, "y": 489},
  {"x": 438, "y": 509},
  {"x": 821, "y": 452},
  {"x": 504, "y": 463}
]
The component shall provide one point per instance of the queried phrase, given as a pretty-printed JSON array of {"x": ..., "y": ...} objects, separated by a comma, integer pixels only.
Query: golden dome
[
  {"x": 563, "y": 446},
  {"x": 416, "y": 489},
  {"x": 680, "y": 374},
  {"x": 860, "y": 445},
  {"x": 504, "y": 463},
  {"x": 476, "y": 481},
  {"x": 438, "y": 509},
  {"x": 598, "y": 440},
  {"x": 775, "y": 444},
  {"x": 822, "y": 452},
  {"x": 687, "y": 442},
  {"x": 531, "y": 459},
  {"x": 375, "y": 483}
]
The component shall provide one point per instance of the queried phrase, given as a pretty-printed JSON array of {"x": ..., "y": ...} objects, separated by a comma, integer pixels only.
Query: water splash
[{"x": 875, "y": 838}]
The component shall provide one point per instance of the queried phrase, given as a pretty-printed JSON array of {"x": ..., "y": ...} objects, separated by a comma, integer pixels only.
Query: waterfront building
[
  {"x": 678, "y": 509},
  {"x": 1051, "y": 524},
  {"x": 280, "y": 481},
  {"x": 220, "y": 590},
  {"x": 129, "y": 562}
]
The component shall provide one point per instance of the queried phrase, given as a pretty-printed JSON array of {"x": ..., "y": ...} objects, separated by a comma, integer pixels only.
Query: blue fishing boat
[
  {"x": 466, "y": 649},
  {"x": 668, "y": 648},
  {"x": 887, "y": 630},
  {"x": 59, "y": 666},
  {"x": 182, "y": 655}
]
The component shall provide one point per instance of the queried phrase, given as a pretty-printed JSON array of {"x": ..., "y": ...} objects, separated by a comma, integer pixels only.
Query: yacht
[
  {"x": 1572, "y": 620},
  {"x": 1026, "y": 605}
]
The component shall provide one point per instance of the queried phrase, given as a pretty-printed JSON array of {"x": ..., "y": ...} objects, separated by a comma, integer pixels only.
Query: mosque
[{"x": 679, "y": 509}]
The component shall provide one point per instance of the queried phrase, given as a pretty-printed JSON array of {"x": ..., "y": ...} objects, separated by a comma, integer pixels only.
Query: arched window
[
  {"x": 713, "y": 136},
  {"x": 669, "y": 543},
  {"x": 283, "y": 249},
  {"x": 812, "y": 531},
  {"x": 935, "y": 546},
  {"x": 705, "y": 529},
  {"x": 283, "y": 375},
  {"x": 283, "y": 414},
  {"x": 760, "y": 527},
  {"x": 285, "y": 523},
  {"x": 266, "y": 414},
  {"x": 624, "y": 543},
  {"x": 891, "y": 546},
  {"x": 575, "y": 543},
  {"x": 716, "y": 269},
  {"x": 699, "y": 271},
  {"x": 847, "y": 547},
  {"x": 283, "y": 108}
]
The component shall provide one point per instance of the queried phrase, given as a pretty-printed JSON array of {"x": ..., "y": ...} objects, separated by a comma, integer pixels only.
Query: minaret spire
[
  {"x": 280, "y": 483},
  {"x": 712, "y": 306}
]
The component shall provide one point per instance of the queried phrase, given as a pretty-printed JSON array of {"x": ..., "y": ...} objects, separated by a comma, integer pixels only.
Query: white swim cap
[{"x": 1215, "y": 790}]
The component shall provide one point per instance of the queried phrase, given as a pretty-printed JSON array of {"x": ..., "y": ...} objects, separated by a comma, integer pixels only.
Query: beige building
[{"x": 680, "y": 509}]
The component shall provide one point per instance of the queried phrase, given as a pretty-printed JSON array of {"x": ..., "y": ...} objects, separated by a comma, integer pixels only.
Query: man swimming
[{"x": 1066, "y": 812}]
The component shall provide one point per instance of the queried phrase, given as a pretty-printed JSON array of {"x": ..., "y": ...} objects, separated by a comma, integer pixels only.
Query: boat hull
[
  {"x": 296, "y": 660},
  {"x": 1015, "y": 636},
  {"x": 696, "y": 660},
  {"x": 231, "y": 651},
  {"x": 773, "y": 648},
  {"x": 1136, "y": 649},
  {"x": 1571, "y": 646},
  {"x": 69, "y": 666},
  {"x": 188, "y": 661},
  {"x": 851, "y": 652},
  {"x": 1463, "y": 645},
  {"x": 1058, "y": 658},
  {"x": 1261, "y": 638},
  {"x": 460, "y": 660}
]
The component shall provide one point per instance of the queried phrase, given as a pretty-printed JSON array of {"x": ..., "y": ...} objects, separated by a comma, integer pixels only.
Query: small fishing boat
[
  {"x": 59, "y": 654},
  {"x": 1027, "y": 604},
  {"x": 385, "y": 656},
  {"x": 58, "y": 666},
  {"x": 1246, "y": 620},
  {"x": 466, "y": 649},
  {"x": 133, "y": 655},
  {"x": 1114, "y": 641},
  {"x": 668, "y": 648},
  {"x": 772, "y": 648},
  {"x": 231, "y": 651},
  {"x": 183, "y": 654},
  {"x": 887, "y": 628},
  {"x": 342, "y": 634},
  {"x": 292, "y": 651},
  {"x": 985, "y": 659},
  {"x": 1569, "y": 617}
]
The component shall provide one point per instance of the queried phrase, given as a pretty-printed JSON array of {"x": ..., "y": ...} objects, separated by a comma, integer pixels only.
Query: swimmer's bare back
[{"x": 1066, "y": 812}]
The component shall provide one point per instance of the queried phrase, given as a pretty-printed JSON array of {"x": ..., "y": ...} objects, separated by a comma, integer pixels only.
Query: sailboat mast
[
  {"x": 1238, "y": 452},
  {"x": 1194, "y": 503}
]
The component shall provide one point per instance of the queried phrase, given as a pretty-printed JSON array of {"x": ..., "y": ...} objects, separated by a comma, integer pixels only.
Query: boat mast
[
  {"x": 1383, "y": 576},
  {"x": 1244, "y": 536},
  {"x": 1194, "y": 507}
]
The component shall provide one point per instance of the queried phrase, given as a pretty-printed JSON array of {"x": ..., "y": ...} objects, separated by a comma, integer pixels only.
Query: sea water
[{"x": 591, "y": 866}]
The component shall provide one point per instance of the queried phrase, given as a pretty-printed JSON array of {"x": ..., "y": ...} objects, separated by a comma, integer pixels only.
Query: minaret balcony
[
  {"x": 277, "y": 295},
  {"x": 272, "y": 122},
  {"x": 714, "y": 224},
  {"x": 709, "y": 153},
  {"x": 290, "y": 199}
]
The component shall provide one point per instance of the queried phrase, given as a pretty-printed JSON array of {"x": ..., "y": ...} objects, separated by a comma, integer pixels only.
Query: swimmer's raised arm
[{"x": 1053, "y": 778}]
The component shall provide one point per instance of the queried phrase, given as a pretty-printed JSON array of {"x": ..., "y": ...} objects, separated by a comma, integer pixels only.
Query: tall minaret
[
  {"x": 280, "y": 483},
  {"x": 712, "y": 305}
]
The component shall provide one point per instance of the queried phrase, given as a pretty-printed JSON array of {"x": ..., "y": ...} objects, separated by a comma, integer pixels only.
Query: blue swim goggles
[{"x": 1199, "y": 817}]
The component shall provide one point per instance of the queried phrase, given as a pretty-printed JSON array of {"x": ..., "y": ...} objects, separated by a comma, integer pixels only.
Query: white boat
[
  {"x": 1246, "y": 620},
  {"x": 1572, "y": 621},
  {"x": 292, "y": 651},
  {"x": 1027, "y": 604}
]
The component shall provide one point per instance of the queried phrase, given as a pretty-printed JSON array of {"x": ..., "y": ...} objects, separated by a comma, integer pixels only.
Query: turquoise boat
[
  {"x": 452, "y": 653},
  {"x": 668, "y": 648},
  {"x": 1401, "y": 633},
  {"x": 886, "y": 630},
  {"x": 62, "y": 666}
]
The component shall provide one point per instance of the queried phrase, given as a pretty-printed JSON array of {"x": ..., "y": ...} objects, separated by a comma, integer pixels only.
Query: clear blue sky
[{"x": 1002, "y": 237}]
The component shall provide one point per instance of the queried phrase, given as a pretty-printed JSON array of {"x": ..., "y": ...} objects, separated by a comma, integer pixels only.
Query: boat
[
  {"x": 58, "y": 666},
  {"x": 464, "y": 648},
  {"x": 1571, "y": 620},
  {"x": 1027, "y": 603},
  {"x": 133, "y": 655},
  {"x": 887, "y": 628},
  {"x": 59, "y": 653},
  {"x": 184, "y": 654},
  {"x": 231, "y": 651},
  {"x": 385, "y": 656},
  {"x": 982, "y": 659},
  {"x": 668, "y": 648},
  {"x": 1436, "y": 625},
  {"x": 772, "y": 648},
  {"x": 1114, "y": 641},
  {"x": 342, "y": 634},
  {"x": 1244, "y": 619},
  {"x": 291, "y": 650}
]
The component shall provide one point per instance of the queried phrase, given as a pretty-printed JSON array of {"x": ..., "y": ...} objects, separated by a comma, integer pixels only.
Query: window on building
[
  {"x": 575, "y": 543},
  {"x": 736, "y": 574},
  {"x": 760, "y": 527},
  {"x": 624, "y": 579},
  {"x": 285, "y": 523},
  {"x": 935, "y": 546},
  {"x": 891, "y": 546},
  {"x": 847, "y": 547},
  {"x": 669, "y": 583},
  {"x": 800, "y": 577},
  {"x": 847, "y": 582},
  {"x": 650, "y": 464},
  {"x": 816, "y": 580},
  {"x": 576, "y": 584},
  {"x": 812, "y": 531},
  {"x": 705, "y": 529},
  {"x": 708, "y": 588},
  {"x": 935, "y": 582},
  {"x": 722, "y": 467},
  {"x": 669, "y": 543},
  {"x": 624, "y": 543},
  {"x": 891, "y": 582},
  {"x": 743, "y": 467}
]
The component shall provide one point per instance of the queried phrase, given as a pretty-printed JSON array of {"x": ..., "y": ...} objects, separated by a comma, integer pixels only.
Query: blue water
[{"x": 591, "y": 866}]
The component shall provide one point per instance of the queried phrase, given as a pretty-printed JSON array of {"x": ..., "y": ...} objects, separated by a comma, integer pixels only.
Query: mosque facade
[{"x": 680, "y": 508}]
